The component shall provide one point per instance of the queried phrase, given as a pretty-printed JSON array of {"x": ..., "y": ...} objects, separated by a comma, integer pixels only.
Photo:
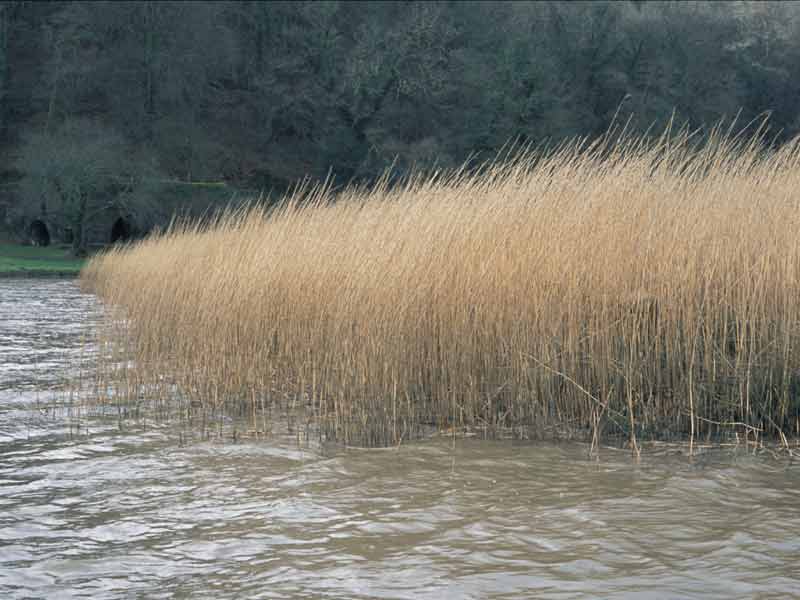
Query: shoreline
[
  {"x": 26, "y": 262},
  {"x": 39, "y": 274}
]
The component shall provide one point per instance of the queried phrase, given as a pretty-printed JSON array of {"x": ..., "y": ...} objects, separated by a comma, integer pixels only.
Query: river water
[{"x": 107, "y": 513}]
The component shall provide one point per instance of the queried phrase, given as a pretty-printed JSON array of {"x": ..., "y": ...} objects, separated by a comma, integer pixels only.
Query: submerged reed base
[{"x": 643, "y": 289}]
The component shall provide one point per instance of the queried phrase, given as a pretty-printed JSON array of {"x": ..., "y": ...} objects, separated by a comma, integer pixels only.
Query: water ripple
[{"x": 119, "y": 514}]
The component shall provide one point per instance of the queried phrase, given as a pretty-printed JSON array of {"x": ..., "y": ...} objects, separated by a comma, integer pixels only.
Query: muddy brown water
[{"x": 132, "y": 513}]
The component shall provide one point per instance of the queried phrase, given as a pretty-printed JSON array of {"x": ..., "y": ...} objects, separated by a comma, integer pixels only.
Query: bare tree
[{"x": 76, "y": 172}]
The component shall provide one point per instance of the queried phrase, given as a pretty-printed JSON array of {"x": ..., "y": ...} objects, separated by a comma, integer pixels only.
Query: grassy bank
[
  {"x": 32, "y": 261},
  {"x": 647, "y": 290}
]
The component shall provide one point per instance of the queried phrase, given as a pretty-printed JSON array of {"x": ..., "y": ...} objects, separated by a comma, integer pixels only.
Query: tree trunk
[
  {"x": 79, "y": 230},
  {"x": 79, "y": 239}
]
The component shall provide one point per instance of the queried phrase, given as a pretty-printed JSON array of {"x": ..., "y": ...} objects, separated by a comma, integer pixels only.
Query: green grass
[{"x": 32, "y": 260}]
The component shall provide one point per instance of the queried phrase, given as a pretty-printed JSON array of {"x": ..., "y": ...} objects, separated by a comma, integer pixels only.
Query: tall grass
[{"x": 640, "y": 288}]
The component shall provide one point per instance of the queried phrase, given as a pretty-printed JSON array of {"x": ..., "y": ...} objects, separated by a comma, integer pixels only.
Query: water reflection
[{"x": 117, "y": 514}]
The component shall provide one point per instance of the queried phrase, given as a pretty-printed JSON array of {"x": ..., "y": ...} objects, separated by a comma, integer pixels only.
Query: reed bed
[{"x": 640, "y": 288}]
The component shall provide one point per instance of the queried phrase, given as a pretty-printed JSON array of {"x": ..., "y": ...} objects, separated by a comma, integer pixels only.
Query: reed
[{"x": 642, "y": 288}]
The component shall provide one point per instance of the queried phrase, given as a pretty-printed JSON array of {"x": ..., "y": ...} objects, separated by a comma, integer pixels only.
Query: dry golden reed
[{"x": 642, "y": 288}]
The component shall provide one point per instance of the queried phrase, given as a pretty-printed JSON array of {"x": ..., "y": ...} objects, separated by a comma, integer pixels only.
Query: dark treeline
[{"x": 118, "y": 104}]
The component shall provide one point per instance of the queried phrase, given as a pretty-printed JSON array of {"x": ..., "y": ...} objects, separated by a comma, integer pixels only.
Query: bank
[{"x": 17, "y": 260}]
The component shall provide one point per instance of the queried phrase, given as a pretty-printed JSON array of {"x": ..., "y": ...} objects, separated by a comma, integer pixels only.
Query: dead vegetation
[{"x": 646, "y": 289}]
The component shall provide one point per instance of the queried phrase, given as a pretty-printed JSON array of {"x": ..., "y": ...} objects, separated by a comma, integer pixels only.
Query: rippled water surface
[{"x": 106, "y": 513}]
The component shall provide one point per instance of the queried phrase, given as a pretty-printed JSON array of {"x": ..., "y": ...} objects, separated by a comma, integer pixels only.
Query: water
[{"x": 132, "y": 513}]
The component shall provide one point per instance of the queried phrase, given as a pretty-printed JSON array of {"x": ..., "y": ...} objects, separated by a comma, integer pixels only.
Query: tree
[
  {"x": 77, "y": 171},
  {"x": 257, "y": 95}
]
